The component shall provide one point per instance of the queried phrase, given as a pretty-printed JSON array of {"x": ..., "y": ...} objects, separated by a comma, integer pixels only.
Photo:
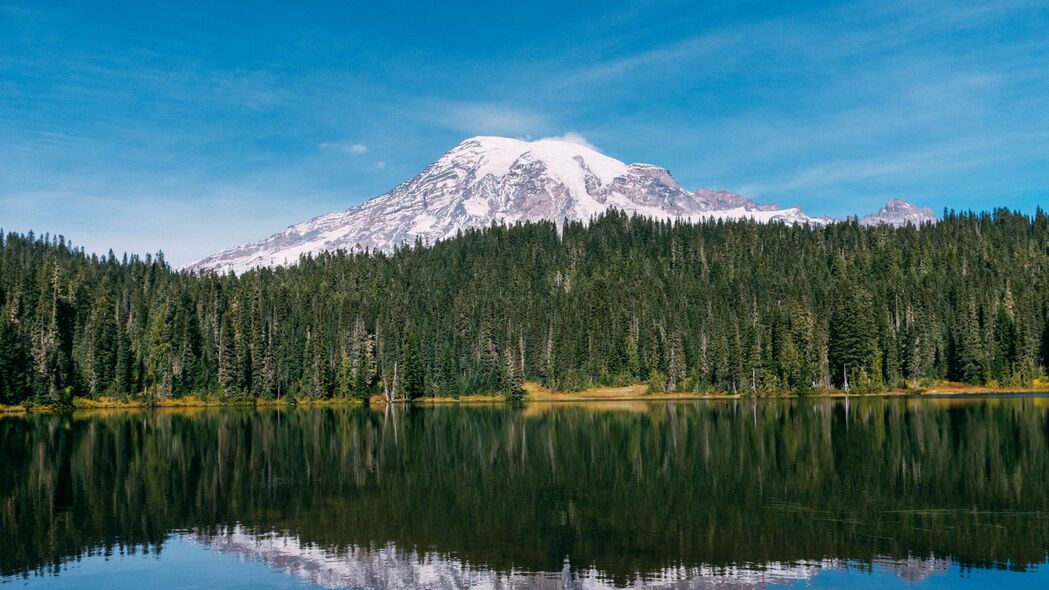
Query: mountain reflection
[
  {"x": 664, "y": 495},
  {"x": 391, "y": 568}
]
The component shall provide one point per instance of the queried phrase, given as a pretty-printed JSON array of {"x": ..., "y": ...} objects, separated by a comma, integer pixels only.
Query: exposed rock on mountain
[
  {"x": 497, "y": 179},
  {"x": 899, "y": 213}
]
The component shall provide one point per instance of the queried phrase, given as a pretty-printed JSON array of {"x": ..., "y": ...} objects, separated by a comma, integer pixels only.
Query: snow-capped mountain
[
  {"x": 898, "y": 213},
  {"x": 497, "y": 179}
]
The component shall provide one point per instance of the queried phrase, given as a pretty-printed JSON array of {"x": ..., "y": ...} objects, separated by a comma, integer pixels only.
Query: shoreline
[{"x": 534, "y": 393}]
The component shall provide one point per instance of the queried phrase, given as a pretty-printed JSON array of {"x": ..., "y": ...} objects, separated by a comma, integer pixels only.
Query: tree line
[{"x": 733, "y": 306}]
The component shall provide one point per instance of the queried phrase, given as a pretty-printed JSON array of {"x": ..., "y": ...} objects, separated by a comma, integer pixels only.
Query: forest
[{"x": 726, "y": 306}]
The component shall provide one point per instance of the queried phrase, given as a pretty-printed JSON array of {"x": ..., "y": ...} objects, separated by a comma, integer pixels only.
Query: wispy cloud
[
  {"x": 576, "y": 138},
  {"x": 692, "y": 48},
  {"x": 487, "y": 118},
  {"x": 345, "y": 147},
  {"x": 927, "y": 161}
]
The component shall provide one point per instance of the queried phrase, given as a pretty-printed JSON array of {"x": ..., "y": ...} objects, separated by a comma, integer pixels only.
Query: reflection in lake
[
  {"x": 665, "y": 495},
  {"x": 390, "y": 567}
]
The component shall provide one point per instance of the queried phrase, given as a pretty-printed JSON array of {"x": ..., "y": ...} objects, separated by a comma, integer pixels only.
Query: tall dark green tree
[
  {"x": 15, "y": 378},
  {"x": 851, "y": 331},
  {"x": 410, "y": 372}
]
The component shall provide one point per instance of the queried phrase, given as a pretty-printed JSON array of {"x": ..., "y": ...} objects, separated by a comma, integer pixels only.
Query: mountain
[
  {"x": 898, "y": 213},
  {"x": 497, "y": 179}
]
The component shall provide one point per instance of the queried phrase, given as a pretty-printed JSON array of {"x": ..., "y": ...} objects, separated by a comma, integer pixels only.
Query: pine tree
[
  {"x": 851, "y": 335},
  {"x": 514, "y": 381},
  {"x": 100, "y": 361},
  {"x": 122, "y": 363},
  {"x": 675, "y": 363},
  {"x": 228, "y": 369},
  {"x": 364, "y": 373},
  {"x": 969, "y": 345},
  {"x": 410, "y": 374},
  {"x": 14, "y": 360}
]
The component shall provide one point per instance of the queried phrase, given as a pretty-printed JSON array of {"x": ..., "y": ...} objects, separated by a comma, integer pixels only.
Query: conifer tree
[
  {"x": 851, "y": 334},
  {"x": 228, "y": 369},
  {"x": 410, "y": 374},
  {"x": 14, "y": 360}
]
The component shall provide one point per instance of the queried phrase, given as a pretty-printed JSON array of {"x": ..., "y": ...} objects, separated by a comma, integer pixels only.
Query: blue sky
[{"x": 190, "y": 127}]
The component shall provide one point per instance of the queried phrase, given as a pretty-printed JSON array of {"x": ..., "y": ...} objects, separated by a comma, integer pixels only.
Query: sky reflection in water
[{"x": 662, "y": 495}]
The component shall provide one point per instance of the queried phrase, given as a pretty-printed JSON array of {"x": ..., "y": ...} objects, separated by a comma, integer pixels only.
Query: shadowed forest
[{"x": 722, "y": 306}]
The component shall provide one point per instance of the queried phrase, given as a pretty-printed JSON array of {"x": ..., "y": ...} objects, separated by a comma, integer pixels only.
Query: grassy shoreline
[
  {"x": 538, "y": 393},
  {"x": 534, "y": 393}
]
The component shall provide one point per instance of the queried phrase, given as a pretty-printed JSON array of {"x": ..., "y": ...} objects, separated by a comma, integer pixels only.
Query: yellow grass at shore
[
  {"x": 185, "y": 402},
  {"x": 534, "y": 393},
  {"x": 463, "y": 399},
  {"x": 948, "y": 388}
]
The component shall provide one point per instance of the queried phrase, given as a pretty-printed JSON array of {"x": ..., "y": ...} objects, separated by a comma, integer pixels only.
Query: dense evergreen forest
[{"x": 726, "y": 306}]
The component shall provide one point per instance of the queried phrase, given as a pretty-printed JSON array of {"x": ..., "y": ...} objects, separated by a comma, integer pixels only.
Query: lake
[{"x": 869, "y": 493}]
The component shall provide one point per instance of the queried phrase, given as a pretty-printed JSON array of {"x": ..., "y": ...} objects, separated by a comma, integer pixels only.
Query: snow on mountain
[
  {"x": 898, "y": 213},
  {"x": 391, "y": 567},
  {"x": 498, "y": 179}
]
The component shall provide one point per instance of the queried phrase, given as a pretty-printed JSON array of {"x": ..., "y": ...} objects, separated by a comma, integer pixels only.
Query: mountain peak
[
  {"x": 488, "y": 179},
  {"x": 897, "y": 213},
  {"x": 563, "y": 157},
  {"x": 522, "y": 144}
]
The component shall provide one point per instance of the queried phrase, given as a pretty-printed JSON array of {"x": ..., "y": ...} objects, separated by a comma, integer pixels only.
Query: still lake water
[{"x": 875, "y": 493}]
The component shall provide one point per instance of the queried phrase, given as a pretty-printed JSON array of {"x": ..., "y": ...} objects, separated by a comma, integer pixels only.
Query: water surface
[{"x": 739, "y": 494}]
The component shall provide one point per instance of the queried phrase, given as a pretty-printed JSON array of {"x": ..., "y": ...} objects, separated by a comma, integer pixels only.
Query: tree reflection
[{"x": 628, "y": 491}]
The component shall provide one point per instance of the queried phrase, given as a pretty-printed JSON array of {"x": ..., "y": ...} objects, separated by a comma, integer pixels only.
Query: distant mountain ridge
[
  {"x": 898, "y": 212},
  {"x": 497, "y": 179}
]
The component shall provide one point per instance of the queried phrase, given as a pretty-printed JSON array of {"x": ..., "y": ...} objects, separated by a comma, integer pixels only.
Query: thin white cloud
[
  {"x": 490, "y": 118},
  {"x": 927, "y": 162},
  {"x": 716, "y": 43},
  {"x": 380, "y": 165},
  {"x": 345, "y": 147},
  {"x": 573, "y": 137}
]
